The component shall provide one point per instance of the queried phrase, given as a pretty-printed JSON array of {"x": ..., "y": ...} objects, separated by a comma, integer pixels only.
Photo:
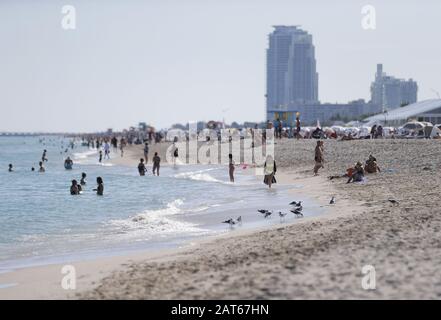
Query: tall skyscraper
[
  {"x": 389, "y": 93},
  {"x": 292, "y": 79}
]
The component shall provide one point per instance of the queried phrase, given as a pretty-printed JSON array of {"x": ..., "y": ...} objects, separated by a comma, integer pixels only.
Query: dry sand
[
  {"x": 314, "y": 258},
  {"x": 319, "y": 258}
]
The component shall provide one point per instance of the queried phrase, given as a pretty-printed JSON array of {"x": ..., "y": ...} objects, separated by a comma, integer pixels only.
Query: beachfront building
[
  {"x": 324, "y": 112},
  {"x": 427, "y": 111},
  {"x": 291, "y": 69},
  {"x": 390, "y": 93}
]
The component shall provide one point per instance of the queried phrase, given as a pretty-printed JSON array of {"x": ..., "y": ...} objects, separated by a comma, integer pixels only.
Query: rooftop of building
[{"x": 408, "y": 111}]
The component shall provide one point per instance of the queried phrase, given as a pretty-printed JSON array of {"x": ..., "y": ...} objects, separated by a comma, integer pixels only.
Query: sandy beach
[{"x": 313, "y": 258}]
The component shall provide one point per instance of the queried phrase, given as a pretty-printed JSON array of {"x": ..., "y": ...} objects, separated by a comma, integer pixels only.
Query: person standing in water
[
  {"x": 101, "y": 156},
  {"x": 146, "y": 152},
  {"x": 83, "y": 179},
  {"x": 231, "y": 167},
  {"x": 106, "y": 150},
  {"x": 175, "y": 154},
  {"x": 42, "y": 169},
  {"x": 74, "y": 188},
  {"x": 43, "y": 157},
  {"x": 270, "y": 171},
  {"x": 318, "y": 157},
  {"x": 141, "y": 167},
  {"x": 10, "y": 168},
  {"x": 156, "y": 164},
  {"x": 100, "y": 188}
]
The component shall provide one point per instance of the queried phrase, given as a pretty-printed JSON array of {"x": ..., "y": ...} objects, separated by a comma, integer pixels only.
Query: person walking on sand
[
  {"x": 146, "y": 152},
  {"x": 298, "y": 128},
  {"x": 231, "y": 167},
  {"x": 100, "y": 188},
  {"x": 269, "y": 171},
  {"x": 319, "y": 157},
  {"x": 156, "y": 164},
  {"x": 141, "y": 167}
]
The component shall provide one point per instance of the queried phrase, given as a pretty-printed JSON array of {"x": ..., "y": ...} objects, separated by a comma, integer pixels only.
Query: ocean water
[{"x": 40, "y": 222}]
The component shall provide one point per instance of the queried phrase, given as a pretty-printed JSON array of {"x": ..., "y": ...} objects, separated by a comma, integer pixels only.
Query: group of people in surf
[{"x": 77, "y": 188}]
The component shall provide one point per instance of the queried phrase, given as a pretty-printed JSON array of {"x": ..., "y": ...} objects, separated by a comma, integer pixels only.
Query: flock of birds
[{"x": 296, "y": 209}]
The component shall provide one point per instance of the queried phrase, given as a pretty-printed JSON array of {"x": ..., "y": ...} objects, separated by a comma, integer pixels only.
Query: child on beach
[
  {"x": 156, "y": 164},
  {"x": 100, "y": 188},
  {"x": 231, "y": 167},
  {"x": 270, "y": 171},
  {"x": 141, "y": 167},
  {"x": 371, "y": 165},
  {"x": 83, "y": 179}
]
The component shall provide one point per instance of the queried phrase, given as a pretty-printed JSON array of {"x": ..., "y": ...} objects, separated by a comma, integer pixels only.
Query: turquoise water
[{"x": 41, "y": 222}]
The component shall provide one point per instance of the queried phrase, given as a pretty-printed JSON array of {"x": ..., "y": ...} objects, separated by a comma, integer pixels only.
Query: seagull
[
  {"x": 393, "y": 201},
  {"x": 332, "y": 200},
  {"x": 230, "y": 221},
  {"x": 282, "y": 215},
  {"x": 297, "y": 213},
  {"x": 297, "y": 204},
  {"x": 267, "y": 214}
]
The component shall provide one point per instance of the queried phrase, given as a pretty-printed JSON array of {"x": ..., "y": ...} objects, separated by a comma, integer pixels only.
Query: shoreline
[
  {"x": 27, "y": 282},
  {"x": 317, "y": 257}
]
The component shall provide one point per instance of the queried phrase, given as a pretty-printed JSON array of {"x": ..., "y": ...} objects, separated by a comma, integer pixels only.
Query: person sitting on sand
[
  {"x": 348, "y": 137},
  {"x": 357, "y": 173},
  {"x": 83, "y": 179},
  {"x": 269, "y": 171},
  {"x": 371, "y": 165},
  {"x": 156, "y": 164},
  {"x": 10, "y": 168},
  {"x": 141, "y": 167},
  {"x": 74, "y": 190},
  {"x": 42, "y": 169},
  {"x": 100, "y": 188}
]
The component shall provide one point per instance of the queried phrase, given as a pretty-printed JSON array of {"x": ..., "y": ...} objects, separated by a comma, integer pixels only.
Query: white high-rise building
[
  {"x": 389, "y": 93},
  {"x": 292, "y": 79}
]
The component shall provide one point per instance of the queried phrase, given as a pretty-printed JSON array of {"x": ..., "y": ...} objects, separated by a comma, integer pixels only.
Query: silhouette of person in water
[
  {"x": 156, "y": 164},
  {"x": 42, "y": 169},
  {"x": 74, "y": 190},
  {"x": 141, "y": 167},
  {"x": 83, "y": 179},
  {"x": 100, "y": 188},
  {"x": 10, "y": 168}
]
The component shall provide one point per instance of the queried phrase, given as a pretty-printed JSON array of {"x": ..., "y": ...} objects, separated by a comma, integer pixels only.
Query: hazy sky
[{"x": 176, "y": 61}]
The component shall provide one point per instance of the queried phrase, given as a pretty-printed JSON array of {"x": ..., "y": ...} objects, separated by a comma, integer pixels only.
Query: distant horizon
[{"x": 172, "y": 62}]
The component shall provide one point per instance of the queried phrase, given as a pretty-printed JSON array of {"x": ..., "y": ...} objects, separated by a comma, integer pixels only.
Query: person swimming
[
  {"x": 68, "y": 163},
  {"x": 32, "y": 169},
  {"x": 141, "y": 167},
  {"x": 100, "y": 188},
  {"x": 83, "y": 179},
  {"x": 10, "y": 167},
  {"x": 74, "y": 188},
  {"x": 42, "y": 169}
]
